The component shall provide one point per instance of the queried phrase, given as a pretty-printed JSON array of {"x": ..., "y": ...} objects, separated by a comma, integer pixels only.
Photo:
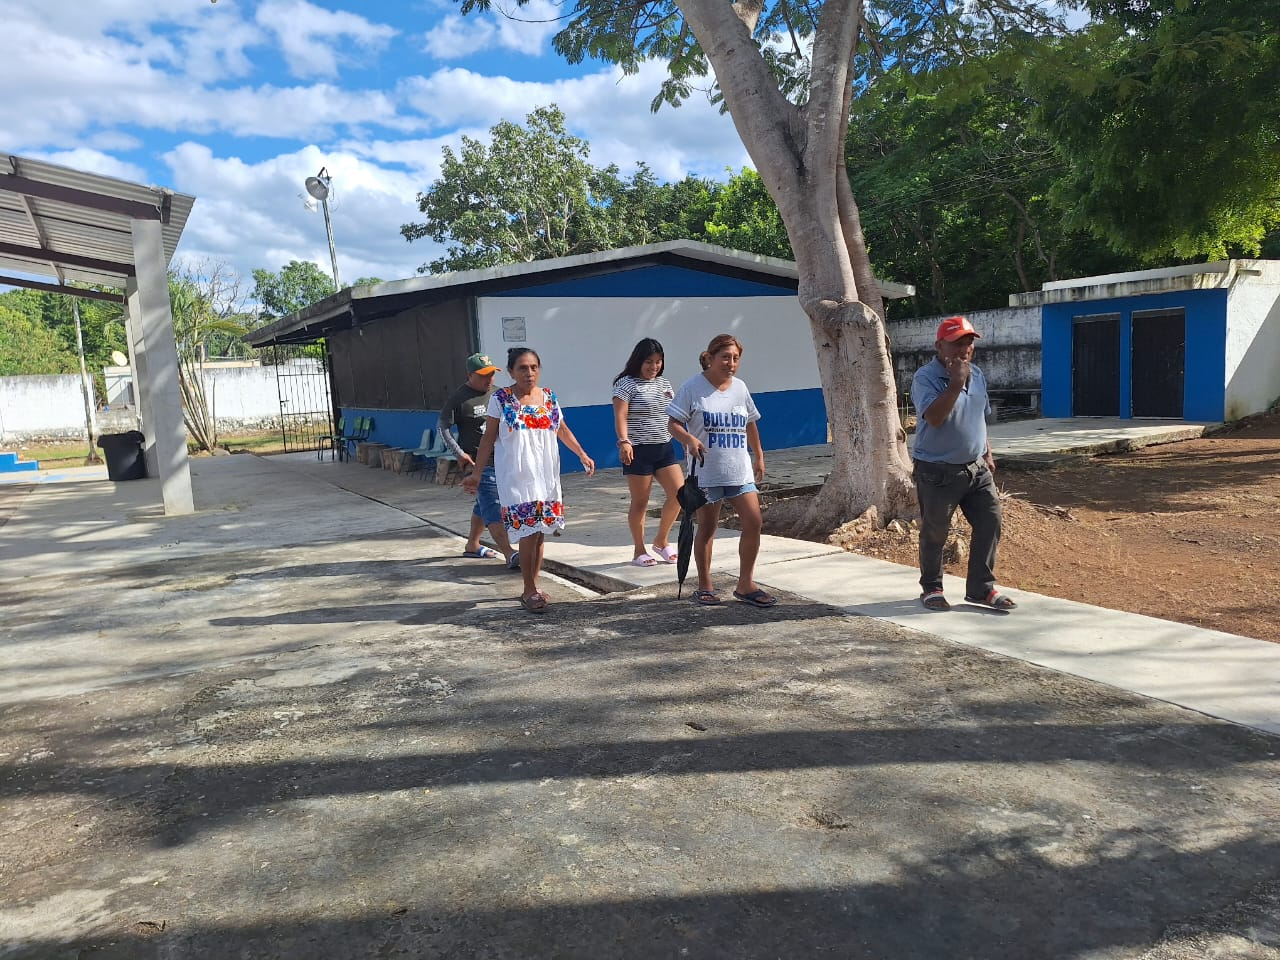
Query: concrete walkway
[
  {"x": 1225, "y": 676},
  {"x": 1218, "y": 674}
]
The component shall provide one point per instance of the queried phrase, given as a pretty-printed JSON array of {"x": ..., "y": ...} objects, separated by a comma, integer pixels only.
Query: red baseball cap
[{"x": 953, "y": 328}]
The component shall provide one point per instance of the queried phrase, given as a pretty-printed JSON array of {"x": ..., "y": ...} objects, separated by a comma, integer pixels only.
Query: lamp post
[{"x": 318, "y": 187}]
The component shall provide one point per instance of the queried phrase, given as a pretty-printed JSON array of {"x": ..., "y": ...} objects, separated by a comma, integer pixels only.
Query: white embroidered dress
[{"x": 526, "y": 457}]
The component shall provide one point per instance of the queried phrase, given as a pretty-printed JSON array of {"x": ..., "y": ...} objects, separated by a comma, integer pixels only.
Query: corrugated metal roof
[
  {"x": 50, "y": 213},
  {"x": 361, "y": 304}
]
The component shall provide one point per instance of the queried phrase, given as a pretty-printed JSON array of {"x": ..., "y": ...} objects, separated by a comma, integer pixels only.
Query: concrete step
[{"x": 9, "y": 463}]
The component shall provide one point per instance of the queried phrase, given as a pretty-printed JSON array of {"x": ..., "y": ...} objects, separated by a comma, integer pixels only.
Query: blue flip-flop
[
  {"x": 514, "y": 562},
  {"x": 484, "y": 553}
]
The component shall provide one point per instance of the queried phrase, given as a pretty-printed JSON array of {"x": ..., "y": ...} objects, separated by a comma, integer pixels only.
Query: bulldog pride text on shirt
[{"x": 719, "y": 419}]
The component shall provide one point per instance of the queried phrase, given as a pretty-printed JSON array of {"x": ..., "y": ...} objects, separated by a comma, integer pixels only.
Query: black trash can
[{"x": 124, "y": 456}]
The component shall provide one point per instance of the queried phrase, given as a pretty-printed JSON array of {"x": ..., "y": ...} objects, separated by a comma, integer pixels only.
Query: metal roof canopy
[
  {"x": 64, "y": 226},
  {"x": 356, "y": 305},
  {"x": 59, "y": 225}
]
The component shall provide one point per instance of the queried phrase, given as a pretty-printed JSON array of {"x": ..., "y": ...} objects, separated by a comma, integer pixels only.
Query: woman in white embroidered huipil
[{"x": 523, "y": 426}]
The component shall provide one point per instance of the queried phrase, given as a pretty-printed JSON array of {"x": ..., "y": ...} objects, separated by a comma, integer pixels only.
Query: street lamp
[{"x": 318, "y": 187}]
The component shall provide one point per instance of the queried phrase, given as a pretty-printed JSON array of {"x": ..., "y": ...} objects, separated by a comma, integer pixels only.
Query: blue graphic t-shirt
[{"x": 719, "y": 419}]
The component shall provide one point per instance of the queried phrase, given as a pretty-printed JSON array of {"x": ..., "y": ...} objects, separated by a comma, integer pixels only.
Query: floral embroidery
[
  {"x": 519, "y": 416},
  {"x": 546, "y": 513}
]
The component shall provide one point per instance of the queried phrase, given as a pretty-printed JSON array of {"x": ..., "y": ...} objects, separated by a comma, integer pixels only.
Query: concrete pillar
[
  {"x": 157, "y": 379},
  {"x": 138, "y": 370}
]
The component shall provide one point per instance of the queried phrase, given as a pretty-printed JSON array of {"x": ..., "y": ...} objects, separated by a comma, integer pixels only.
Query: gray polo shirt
[{"x": 962, "y": 438}]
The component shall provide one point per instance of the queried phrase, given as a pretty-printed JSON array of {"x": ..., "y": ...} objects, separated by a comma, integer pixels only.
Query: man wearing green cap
[{"x": 467, "y": 407}]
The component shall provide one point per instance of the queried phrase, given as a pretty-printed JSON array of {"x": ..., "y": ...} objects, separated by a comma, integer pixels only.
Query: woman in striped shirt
[{"x": 640, "y": 397}]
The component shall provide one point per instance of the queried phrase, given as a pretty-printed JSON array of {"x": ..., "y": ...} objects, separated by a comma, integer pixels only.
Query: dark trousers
[{"x": 941, "y": 487}]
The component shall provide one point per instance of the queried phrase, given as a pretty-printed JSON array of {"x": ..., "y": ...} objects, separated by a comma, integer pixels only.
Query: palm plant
[{"x": 201, "y": 312}]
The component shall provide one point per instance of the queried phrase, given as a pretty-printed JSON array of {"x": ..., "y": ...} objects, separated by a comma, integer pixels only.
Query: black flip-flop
[{"x": 757, "y": 598}]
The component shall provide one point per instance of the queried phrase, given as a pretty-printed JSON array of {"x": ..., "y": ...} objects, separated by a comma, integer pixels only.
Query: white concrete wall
[
  {"x": 1008, "y": 353},
  {"x": 778, "y": 352},
  {"x": 242, "y": 395},
  {"x": 41, "y": 406},
  {"x": 1253, "y": 340}
]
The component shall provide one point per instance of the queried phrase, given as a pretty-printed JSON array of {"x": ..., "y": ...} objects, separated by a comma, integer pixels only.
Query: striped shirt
[{"x": 647, "y": 402}]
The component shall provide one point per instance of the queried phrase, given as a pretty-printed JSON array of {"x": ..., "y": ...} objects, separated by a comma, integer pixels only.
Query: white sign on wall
[{"x": 513, "y": 330}]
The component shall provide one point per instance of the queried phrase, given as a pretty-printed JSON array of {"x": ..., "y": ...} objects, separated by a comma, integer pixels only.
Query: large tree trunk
[{"x": 799, "y": 154}]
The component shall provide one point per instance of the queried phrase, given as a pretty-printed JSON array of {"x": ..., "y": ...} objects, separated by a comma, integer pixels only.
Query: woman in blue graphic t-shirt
[{"x": 714, "y": 417}]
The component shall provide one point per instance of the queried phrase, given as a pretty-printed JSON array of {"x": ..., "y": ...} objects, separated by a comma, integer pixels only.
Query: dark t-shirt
[{"x": 466, "y": 407}]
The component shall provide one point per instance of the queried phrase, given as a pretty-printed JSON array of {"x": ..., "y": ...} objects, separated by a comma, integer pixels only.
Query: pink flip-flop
[
  {"x": 667, "y": 553},
  {"x": 644, "y": 560}
]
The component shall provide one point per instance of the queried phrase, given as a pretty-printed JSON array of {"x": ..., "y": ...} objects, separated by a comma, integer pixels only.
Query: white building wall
[
  {"x": 584, "y": 342},
  {"x": 242, "y": 395},
  {"x": 1008, "y": 353},
  {"x": 50, "y": 406},
  {"x": 1253, "y": 340}
]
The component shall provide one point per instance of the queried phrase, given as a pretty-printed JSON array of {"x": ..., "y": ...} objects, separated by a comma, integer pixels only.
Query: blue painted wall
[
  {"x": 1204, "y": 384},
  {"x": 788, "y": 418},
  {"x": 395, "y": 428},
  {"x": 648, "y": 282}
]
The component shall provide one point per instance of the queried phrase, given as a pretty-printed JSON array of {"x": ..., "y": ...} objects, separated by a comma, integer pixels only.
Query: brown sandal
[
  {"x": 994, "y": 599},
  {"x": 534, "y": 602},
  {"x": 934, "y": 600}
]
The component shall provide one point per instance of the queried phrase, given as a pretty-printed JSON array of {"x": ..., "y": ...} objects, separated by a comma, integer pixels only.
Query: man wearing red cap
[{"x": 953, "y": 466}]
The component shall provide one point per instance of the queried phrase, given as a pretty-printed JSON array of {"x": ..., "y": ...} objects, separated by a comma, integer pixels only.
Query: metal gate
[
  {"x": 1158, "y": 362},
  {"x": 1095, "y": 366},
  {"x": 302, "y": 384}
]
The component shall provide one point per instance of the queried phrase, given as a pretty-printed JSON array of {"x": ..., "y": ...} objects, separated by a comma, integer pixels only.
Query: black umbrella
[{"x": 691, "y": 499}]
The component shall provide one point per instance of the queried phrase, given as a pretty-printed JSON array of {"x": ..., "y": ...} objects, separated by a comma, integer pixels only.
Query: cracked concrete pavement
[{"x": 300, "y": 725}]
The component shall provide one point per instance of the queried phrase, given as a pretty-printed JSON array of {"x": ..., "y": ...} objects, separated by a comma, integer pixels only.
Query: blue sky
[{"x": 237, "y": 102}]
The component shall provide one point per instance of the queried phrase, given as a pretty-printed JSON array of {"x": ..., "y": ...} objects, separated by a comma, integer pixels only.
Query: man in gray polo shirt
[{"x": 953, "y": 466}]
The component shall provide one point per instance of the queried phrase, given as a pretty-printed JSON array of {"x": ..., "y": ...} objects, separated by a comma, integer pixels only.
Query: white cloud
[
  {"x": 456, "y": 37},
  {"x": 608, "y": 109},
  {"x": 94, "y": 161},
  {"x": 309, "y": 35},
  {"x": 252, "y": 215},
  {"x": 507, "y": 27},
  {"x": 180, "y": 93}
]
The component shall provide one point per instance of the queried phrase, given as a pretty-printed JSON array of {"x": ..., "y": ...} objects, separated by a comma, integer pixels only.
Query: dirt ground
[{"x": 1183, "y": 531}]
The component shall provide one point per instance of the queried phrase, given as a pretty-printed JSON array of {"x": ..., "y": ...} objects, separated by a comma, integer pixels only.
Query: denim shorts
[
  {"x": 487, "y": 507},
  {"x": 716, "y": 494},
  {"x": 648, "y": 458}
]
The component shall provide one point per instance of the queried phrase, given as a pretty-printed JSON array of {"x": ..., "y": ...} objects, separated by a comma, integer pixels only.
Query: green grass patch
[
  {"x": 261, "y": 442},
  {"x": 54, "y": 453},
  {"x": 74, "y": 453}
]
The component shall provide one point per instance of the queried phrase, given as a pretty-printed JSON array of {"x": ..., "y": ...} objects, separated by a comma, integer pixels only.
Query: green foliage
[
  {"x": 38, "y": 334},
  {"x": 1167, "y": 113},
  {"x": 298, "y": 284},
  {"x": 526, "y": 196},
  {"x": 744, "y": 217},
  {"x": 955, "y": 189},
  {"x": 28, "y": 346},
  {"x": 532, "y": 194}
]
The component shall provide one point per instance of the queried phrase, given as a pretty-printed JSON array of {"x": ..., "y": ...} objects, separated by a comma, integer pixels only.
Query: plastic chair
[
  {"x": 364, "y": 427},
  {"x": 428, "y": 438},
  {"x": 425, "y": 444},
  {"x": 433, "y": 451},
  {"x": 331, "y": 441}
]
